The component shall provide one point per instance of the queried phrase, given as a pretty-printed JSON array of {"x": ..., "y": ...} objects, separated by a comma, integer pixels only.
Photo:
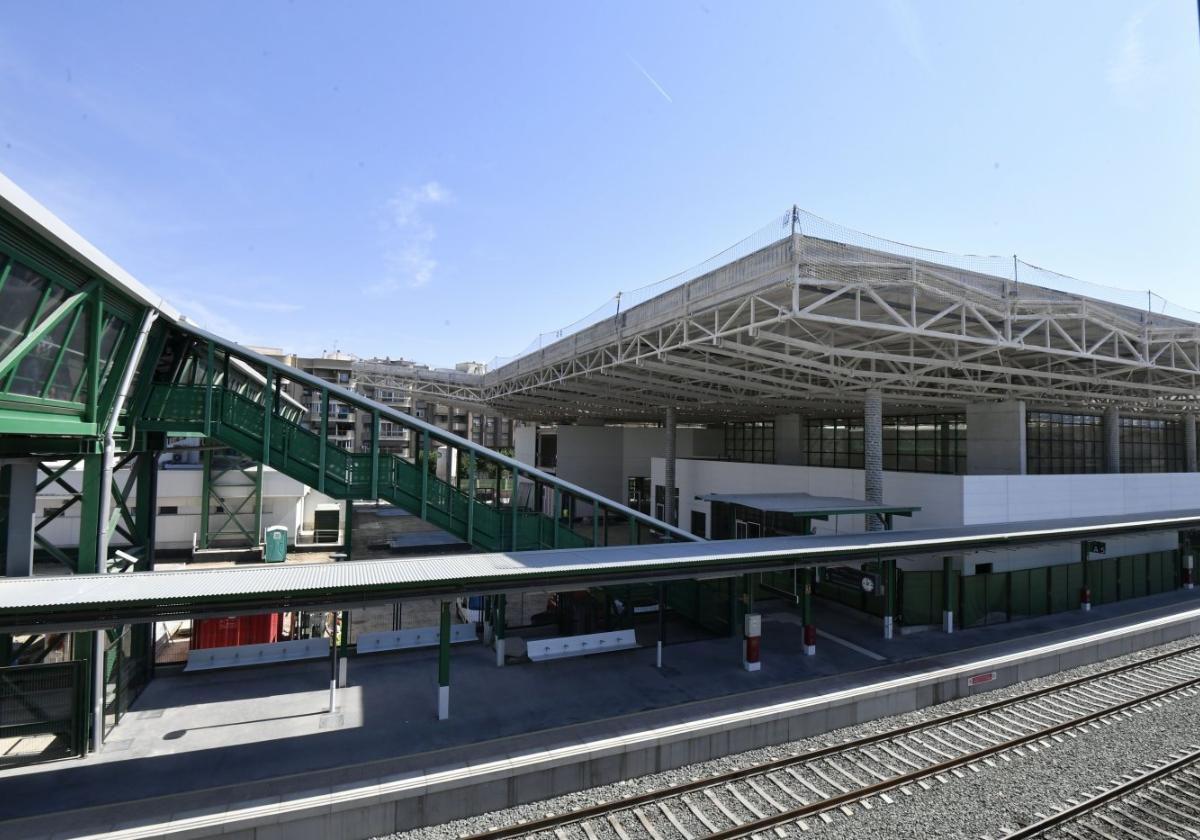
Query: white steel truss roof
[{"x": 809, "y": 324}]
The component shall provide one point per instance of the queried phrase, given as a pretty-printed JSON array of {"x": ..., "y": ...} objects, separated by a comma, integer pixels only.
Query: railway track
[
  {"x": 1160, "y": 801},
  {"x": 785, "y": 796}
]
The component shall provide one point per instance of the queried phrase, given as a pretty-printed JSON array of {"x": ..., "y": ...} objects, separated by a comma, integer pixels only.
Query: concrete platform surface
[{"x": 212, "y": 737}]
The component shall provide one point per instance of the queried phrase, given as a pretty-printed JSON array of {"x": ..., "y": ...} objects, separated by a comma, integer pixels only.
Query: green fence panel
[
  {"x": 918, "y": 599},
  {"x": 997, "y": 597},
  {"x": 1039, "y": 590},
  {"x": 974, "y": 600},
  {"x": 1021, "y": 596}
]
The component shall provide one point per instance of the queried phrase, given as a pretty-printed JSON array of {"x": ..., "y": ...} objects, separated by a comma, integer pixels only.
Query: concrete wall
[
  {"x": 603, "y": 458},
  {"x": 996, "y": 438},
  {"x": 951, "y": 500},
  {"x": 997, "y": 498},
  {"x": 791, "y": 447},
  {"x": 525, "y": 443},
  {"x": 935, "y": 494}
]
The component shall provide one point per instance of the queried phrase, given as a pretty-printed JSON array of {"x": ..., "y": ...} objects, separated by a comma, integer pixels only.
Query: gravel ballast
[{"x": 971, "y": 806}]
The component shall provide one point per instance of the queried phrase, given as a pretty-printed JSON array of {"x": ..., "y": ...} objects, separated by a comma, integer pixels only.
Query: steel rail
[
  {"x": 1073, "y": 812},
  {"x": 577, "y": 815}
]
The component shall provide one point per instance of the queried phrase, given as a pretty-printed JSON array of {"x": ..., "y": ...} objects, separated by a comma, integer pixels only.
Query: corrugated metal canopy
[
  {"x": 101, "y": 600},
  {"x": 806, "y": 504}
]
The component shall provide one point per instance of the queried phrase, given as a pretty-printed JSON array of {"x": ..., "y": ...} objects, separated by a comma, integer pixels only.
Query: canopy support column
[
  {"x": 949, "y": 593},
  {"x": 444, "y": 663},
  {"x": 501, "y": 602}
]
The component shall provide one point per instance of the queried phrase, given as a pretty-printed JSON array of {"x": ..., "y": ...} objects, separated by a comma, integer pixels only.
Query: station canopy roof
[
  {"x": 96, "y": 601},
  {"x": 806, "y": 504}
]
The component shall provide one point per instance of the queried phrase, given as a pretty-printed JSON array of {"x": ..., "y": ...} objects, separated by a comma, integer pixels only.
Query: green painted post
[
  {"x": 949, "y": 587},
  {"x": 1085, "y": 594},
  {"x": 89, "y": 515},
  {"x": 258, "y": 504},
  {"x": 375, "y": 455},
  {"x": 595, "y": 523},
  {"x": 500, "y": 628},
  {"x": 512, "y": 502},
  {"x": 205, "y": 494},
  {"x": 321, "y": 450},
  {"x": 145, "y": 513},
  {"x": 268, "y": 410},
  {"x": 348, "y": 531},
  {"x": 471, "y": 496},
  {"x": 557, "y": 516},
  {"x": 889, "y": 589},
  {"x": 426, "y": 456},
  {"x": 444, "y": 663},
  {"x": 806, "y": 612},
  {"x": 209, "y": 373}
]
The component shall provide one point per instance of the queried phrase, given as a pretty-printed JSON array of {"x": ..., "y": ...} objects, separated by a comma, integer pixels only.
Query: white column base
[
  {"x": 500, "y": 653},
  {"x": 810, "y": 650},
  {"x": 343, "y": 665},
  {"x": 1189, "y": 586},
  {"x": 887, "y": 627},
  {"x": 1085, "y": 606},
  {"x": 443, "y": 702},
  {"x": 947, "y": 621},
  {"x": 751, "y": 666},
  {"x": 333, "y": 706},
  {"x": 658, "y": 656}
]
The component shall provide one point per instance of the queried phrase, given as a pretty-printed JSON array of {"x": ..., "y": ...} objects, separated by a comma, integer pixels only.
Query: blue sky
[{"x": 443, "y": 181}]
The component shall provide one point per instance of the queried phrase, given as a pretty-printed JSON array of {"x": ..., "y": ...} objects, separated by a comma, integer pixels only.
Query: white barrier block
[
  {"x": 540, "y": 650},
  {"x": 237, "y": 656},
  {"x": 416, "y": 637}
]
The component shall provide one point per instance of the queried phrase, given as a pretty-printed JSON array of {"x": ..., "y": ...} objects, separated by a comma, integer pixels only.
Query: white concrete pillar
[
  {"x": 873, "y": 453},
  {"x": 21, "y": 477},
  {"x": 669, "y": 465},
  {"x": 1112, "y": 439}
]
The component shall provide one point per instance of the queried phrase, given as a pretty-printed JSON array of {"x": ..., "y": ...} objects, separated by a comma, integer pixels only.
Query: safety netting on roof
[{"x": 820, "y": 240}]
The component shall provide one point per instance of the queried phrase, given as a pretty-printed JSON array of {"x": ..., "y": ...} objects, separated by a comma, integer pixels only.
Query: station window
[
  {"x": 752, "y": 442},
  {"x": 927, "y": 443},
  {"x": 1063, "y": 444},
  {"x": 1150, "y": 445},
  {"x": 1070, "y": 444}
]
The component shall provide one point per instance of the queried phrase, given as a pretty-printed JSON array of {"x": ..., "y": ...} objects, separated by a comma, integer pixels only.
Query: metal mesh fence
[
  {"x": 41, "y": 712},
  {"x": 832, "y": 251}
]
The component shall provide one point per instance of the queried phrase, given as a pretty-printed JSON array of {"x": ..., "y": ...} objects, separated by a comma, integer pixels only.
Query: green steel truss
[{"x": 211, "y": 393}]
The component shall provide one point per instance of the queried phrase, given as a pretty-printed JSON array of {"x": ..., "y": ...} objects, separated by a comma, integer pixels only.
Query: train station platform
[{"x": 197, "y": 742}]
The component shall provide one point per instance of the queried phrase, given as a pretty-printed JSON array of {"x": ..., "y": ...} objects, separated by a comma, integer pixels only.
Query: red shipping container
[{"x": 236, "y": 630}]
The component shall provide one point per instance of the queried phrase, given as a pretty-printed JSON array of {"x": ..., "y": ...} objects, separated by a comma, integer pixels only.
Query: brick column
[
  {"x": 1112, "y": 440},
  {"x": 1189, "y": 442},
  {"x": 873, "y": 453}
]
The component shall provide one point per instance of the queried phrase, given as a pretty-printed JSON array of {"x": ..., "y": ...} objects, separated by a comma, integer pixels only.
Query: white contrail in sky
[{"x": 650, "y": 78}]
